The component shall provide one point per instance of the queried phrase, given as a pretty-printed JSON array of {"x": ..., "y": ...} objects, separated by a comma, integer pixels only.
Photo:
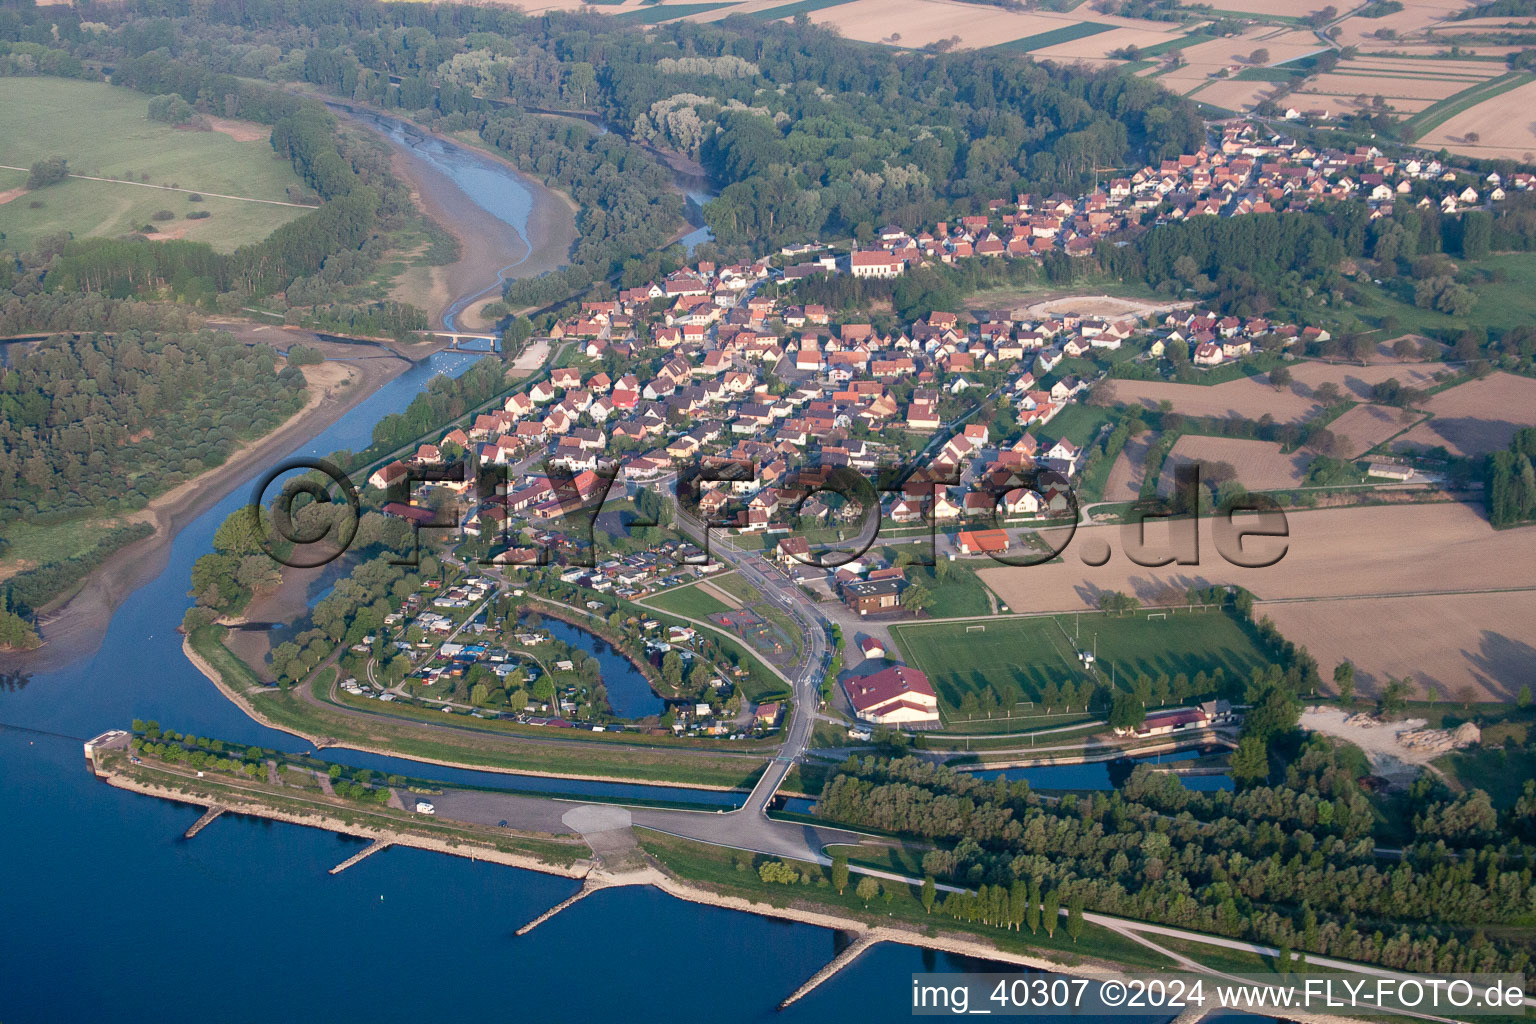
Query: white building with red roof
[{"x": 899, "y": 695}]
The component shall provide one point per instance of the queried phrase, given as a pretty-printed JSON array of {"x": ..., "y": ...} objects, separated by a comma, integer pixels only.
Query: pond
[
  {"x": 1106, "y": 775},
  {"x": 629, "y": 692},
  {"x": 1099, "y": 775}
]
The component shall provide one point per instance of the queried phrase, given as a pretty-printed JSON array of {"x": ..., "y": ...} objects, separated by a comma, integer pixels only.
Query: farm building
[{"x": 1163, "y": 723}]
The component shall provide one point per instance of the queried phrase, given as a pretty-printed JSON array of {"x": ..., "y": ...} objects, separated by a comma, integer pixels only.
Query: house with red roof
[{"x": 899, "y": 695}]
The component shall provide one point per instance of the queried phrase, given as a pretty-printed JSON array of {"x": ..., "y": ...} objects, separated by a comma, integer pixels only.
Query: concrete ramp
[{"x": 597, "y": 818}]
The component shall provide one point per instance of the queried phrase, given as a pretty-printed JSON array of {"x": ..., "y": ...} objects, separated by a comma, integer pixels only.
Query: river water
[{"x": 113, "y": 918}]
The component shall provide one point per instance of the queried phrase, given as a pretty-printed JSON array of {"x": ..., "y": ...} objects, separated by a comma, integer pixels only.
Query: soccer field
[{"x": 1016, "y": 657}]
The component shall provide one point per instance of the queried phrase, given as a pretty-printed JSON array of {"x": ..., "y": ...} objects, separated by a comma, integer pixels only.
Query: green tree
[
  {"x": 1250, "y": 762},
  {"x": 868, "y": 888},
  {"x": 1050, "y": 912},
  {"x": 930, "y": 892},
  {"x": 1344, "y": 680},
  {"x": 1126, "y": 712},
  {"x": 1075, "y": 916},
  {"x": 47, "y": 172},
  {"x": 916, "y": 598},
  {"x": 840, "y": 872}
]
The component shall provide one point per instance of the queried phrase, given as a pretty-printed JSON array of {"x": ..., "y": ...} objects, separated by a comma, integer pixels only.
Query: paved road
[{"x": 804, "y": 678}]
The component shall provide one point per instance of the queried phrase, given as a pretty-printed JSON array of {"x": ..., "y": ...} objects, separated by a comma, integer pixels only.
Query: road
[{"x": 804, "y": 678}]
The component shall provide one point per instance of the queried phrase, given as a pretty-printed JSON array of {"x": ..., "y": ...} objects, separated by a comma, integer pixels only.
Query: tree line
[
  {"x": 1511, "y": 481},
  {"x": 1286, "y": 860}
]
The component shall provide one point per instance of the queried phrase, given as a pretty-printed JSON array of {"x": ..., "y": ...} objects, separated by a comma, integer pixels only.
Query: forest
[
  {"x": 1287, "y": 860},
  {"x": 101, "y": 423},
  {"x": 804, "y": 133}
]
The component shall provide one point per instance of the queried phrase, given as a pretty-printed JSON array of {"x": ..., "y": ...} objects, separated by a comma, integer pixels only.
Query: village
[{"x": 717, "y": 384}]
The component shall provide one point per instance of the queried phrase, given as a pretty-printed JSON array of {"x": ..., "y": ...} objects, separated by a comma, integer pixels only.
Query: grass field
[
  {"x": 1505, "y": 284},
  {"x": 792, "y": 9},
  {"x": 1078, "y": 423},
  {"x": 1027, "y": 653},
  {"x": 689, "y": 601},
  {"x": 106, "y": 132},
  {"x": 666, "y": 12},
  {"x": 1499, "y": 773},
  {"x": 1065, "y": 34}
]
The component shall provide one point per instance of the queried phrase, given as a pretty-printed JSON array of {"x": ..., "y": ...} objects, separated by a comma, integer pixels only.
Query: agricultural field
[
  {"x": 1206, "y": 61},
  {"x": 1017, "y": 657},
  {"x": 1130, "y": 468},
  {"x": 1444, "y": 642},
  {"x": 1367, "y": 426},
  {"x": 1501, "y": 125},
  {"x": 1402, "y": 57},
  {"x": 1259, "y": 465},
  {"x": 105, "y": 132},
  {"x": 1346, "y": 552},
  {"x": 1357, "y": 381},
  {"x": 1246, "y": 397},
  {"x": 1477, "y": 417}
]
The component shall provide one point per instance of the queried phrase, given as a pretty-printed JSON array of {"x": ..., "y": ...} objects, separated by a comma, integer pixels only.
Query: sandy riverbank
[
  {"x": 490, "y": 250},
  {"x": 75, "y": 628}
]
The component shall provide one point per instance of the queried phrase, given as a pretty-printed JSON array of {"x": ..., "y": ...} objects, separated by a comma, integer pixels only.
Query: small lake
[{"x": 629, "y": 692}]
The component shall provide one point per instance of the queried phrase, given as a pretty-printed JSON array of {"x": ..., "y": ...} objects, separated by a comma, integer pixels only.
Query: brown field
[
  {"x": 1346, "y": 552},
  {"x": 1233, "y": 95},
  {"x": 1477, "y": 640},
  {"x": 1282, "y": 8},
  {"x": 1336, "y": 103},
  {"x": 1477, "y": 417},
  {"x": 1412, "y": 19},
  {"x": 1367, "y": 426},
  {"x": 240, "y": 131},
  {"x": 1358, "y": 380},
  {"x": 915, "y": 23},
  {"x": 1260, "y": 465},
  {"x": 1130, "y": 468},
  {"x": 1253, "y": 397},
  {"x": 1505, "y": 124},
  {"x": 1388, "y": 85},
  {"x": 1204, "y": 59},
  {"x": 920, "y": 22},
  {"x": 1473, "y": 70},
  {"x": 1248, "y": 397}
]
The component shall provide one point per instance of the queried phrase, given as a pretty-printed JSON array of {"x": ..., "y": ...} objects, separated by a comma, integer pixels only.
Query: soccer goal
[
  {"x": 1156, "y": 615},
  {"x": 975, "y": 629}
]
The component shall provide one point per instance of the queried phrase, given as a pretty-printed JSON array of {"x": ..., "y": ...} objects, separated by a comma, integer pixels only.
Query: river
[{"x": 114, "y": 918}]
